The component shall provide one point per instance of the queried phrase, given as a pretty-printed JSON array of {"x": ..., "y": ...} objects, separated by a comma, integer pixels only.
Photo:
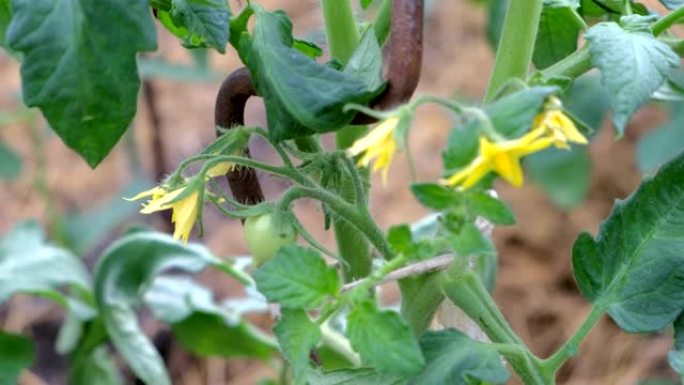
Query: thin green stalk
[
  {"x": 340, "y": 26},
  {"x": 569, "y": 349},
  {"x": 667, "y": 21},
  {"x": 518, "y": 36},
  {"x": 343, "y": 38},
  {"x": 383, "y": 22}
]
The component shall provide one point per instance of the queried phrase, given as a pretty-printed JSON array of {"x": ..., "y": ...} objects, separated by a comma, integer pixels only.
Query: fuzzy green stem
[
  {"x": 667, "y": 21},
  {"x": 569, "y": 349},
  {"x": 518, "y": 36},
  {"x": 340, "y": 26}
]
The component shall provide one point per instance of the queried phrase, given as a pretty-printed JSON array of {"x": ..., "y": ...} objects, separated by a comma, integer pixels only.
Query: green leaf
[
  {"x": 633, "y": 64},
  {"x": 16, "y": 354},
  {"x": 126, "y": 268},
  {"x": 587, "y": 102},
  {"x": 200, "y": 23},
  {"x": 663, "y": 143},
  {"x": 453, "y": 358},
  {"x": 634, "y": 268},
  {"x": 490, "y": 208},
  {"x": 470, "y": 243},
  {"x": 202, "y": 326},
  {"x": 366, "y": 3},
  {"x": 363, "y": 376},
  {"x": 672, "y": 4},
  {"x": 435, "y": 196},
  {"x": 30, "y": 265},
  {"x": 79, "y": 71},
  {"x": 462, "y": 146},
  {"x": 297, "y": 278},
  {"x": 383, "y": 340},
  {"x": 558, "y": 33},
  {"x": 10, "y": 163},
  {"x": 563, "y": 175},
  {"x": 308, "y": 48},
  {"x": 400, "y": 238},
  {"x": 676, "y": 356},
  {"x": 5, "y": 19},
  {"x": 297, "y": 335},
  {"x": 513, "y": 114},
  {"x": 366, "y": 62},
  {"x": 97, "y": 368},
  {"x": 295, "y": 88}
]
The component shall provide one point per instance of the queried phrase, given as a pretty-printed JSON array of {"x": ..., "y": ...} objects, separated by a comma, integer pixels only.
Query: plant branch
[
  {"x": 418, "y": 268},
  {"x": 667, "y": 21}
]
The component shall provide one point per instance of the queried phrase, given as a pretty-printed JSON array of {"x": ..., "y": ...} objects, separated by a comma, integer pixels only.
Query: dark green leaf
[
  {"x": 80, "y": 74},
  {"x": 634, "y": 268},
  {"x": 5, "y": 19},
  {"x": 663, "y": 143},
  {"x": 125, "y": 269},
  {"x": 436, "y": 196},
  {"x": 204, "y": 22},
  {"x": 399, "y": 238},
  {"x": 10, "y": 163},
  {"x": 366, "y": 3},
  {"x": 202, "y": 326},
  {"x": 297, "y": 278},
  {"x": 363, "y": 376},
  {"x": 308, "y": 48},
  {"x": 633, "y": 64},
  {"x": 383, "y": 340},
  {"x": 296, "y": 89},
  {"x": 30, "y": 265},
  {"x": 513, "y": 114},
  {"x": 558, "y": 33},
  {"x": 297, "y": 335},
  {"x": 453, "y": 358},
  {"x": 366, "y": 62},
  {"x": 462, "y": 146},
  {"x": 16, "y": 354},
  {"x": 563, "y": 175},
  {"x": 490, "y": 208}
]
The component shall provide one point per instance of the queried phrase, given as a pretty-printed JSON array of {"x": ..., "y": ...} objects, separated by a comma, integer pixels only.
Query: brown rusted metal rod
[{"x": 228, "y": 113}]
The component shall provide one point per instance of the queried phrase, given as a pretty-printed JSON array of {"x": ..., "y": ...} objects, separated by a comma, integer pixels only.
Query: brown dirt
[{"x": 535, "y": 290}]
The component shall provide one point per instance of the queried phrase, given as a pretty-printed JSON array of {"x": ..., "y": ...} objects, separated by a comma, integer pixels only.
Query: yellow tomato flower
[
  {"x": 500, "y": 157},
  {"x": 185, "y": 210},
  {"x": 556, "y": 124},
  {"x": 378, "y": 146}
]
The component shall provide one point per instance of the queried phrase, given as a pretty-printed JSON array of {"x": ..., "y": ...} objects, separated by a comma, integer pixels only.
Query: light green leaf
[
  {"x": 16, "y": 354},
  {"x": 80, "y": 71},
  {"x": 200, "y": 23},
  {"x": 563, "y": 175},
  {"x": 297, "y": 278},
  {"x": 586, "y": 101},
  {"x": 558, "y": 33},
  {"x": 634, "y": 268},
  {"x": 97, "y": 368},
  {"x": 125, "y": 269},
  {"x": 462, "y": 146},
  {"x": 10, "y": 163},
  {"x": 490, "y": 208},
  {"x": 479, "y": 250},
  {"x": 453, "y": 358},
  {"x": 513, "y": 114},
  {"x": 436, "y": 196},
  {"x": 663, "y": 143},
  {"x": 30, "y": 265},
  {"x": 363, "y": 376},
  {"x": 633, "y": 64},
  {"x": 366, "y": 62},
  {"x": 202, "y": 326},
  {"x": 297, "y": 335},
  {"x": 383, "y": 340},
  {"x": 293, "y": 86}
]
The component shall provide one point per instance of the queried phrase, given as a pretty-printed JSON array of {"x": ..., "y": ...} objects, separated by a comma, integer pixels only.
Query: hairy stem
[{"x": 518, "y": 36}]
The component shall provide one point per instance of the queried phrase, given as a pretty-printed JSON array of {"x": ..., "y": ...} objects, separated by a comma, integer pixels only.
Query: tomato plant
[{"x": 80, "y": 69}]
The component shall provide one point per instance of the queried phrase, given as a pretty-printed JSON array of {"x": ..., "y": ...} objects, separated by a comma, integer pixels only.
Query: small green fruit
[{"x": 264, "y": 237}]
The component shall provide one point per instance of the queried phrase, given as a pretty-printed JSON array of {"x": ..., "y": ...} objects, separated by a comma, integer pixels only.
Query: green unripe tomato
[{"x": 265, "y": 234}]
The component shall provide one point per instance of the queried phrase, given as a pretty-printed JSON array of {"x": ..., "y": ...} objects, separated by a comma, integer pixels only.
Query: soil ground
[{"x": 535, "y": 289}]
